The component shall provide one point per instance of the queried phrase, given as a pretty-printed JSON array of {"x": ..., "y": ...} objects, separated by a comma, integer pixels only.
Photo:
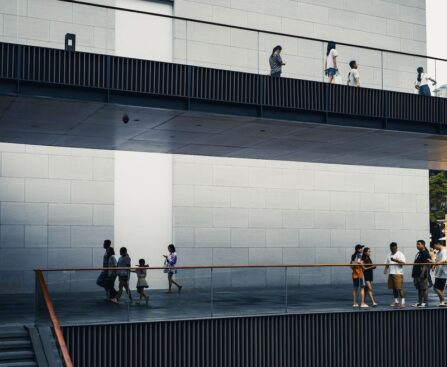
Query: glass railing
[
  {"x": 217, "y": 291},
  {"x": 104, "y": 29}
]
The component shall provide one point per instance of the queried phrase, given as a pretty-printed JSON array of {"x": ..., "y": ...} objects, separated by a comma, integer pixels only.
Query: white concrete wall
[
  {"x": 393, "y": 24},
  {"x": 57, "y": 206},
  {"x": 143, "y": 208},
  {"x": 242, "y": 211}
]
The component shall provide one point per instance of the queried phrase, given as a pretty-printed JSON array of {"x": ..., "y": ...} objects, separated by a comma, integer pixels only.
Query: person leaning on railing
[{"x": 422, "y": 81}]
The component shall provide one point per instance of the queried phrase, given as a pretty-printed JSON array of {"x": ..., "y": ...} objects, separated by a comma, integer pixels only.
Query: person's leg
[
  {"x": 354, "y": 295},
  {"x": 120, "y": 289},
  {"x": 425, "y": 296},
  {"x": 369, "y": 291},
  {"x": 169, "y": 282},
  {"x": 362, "y": 295},
  {"x": 179, "y": 286},
  {"x": 126, "y": 287},
  {"x": 402, "y": 297}
]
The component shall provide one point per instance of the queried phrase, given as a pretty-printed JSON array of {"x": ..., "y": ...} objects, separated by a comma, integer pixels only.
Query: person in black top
[
  {"x": 368, "y": 269},
  {"x": 420, "y": 273}
]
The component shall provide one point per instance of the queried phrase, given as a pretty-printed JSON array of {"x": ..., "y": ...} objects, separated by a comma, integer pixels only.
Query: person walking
[
  {"x": 102, "y": 278},
  {"x": 368, "y": 270},
  {"x": 440, "y": 272},
  {"x": 420, "y": 273},
  {"x": 276, "y": 62},
  {"x": 395, "y": 271},
  {"x": 358, "y": 278},
  {"x": 123, "y": 275},
  {"x": 422, "y": 82},
  {"x": 142, "y": 283},
  {"x": 353, "y": 75},
  {"x": 111, "y": 274},
  {"x": 330, "y": 64},
  {"x": 170, "y": 261}
]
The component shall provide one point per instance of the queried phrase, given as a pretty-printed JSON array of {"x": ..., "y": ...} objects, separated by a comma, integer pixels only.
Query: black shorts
[{"x": 440, "y": 283}]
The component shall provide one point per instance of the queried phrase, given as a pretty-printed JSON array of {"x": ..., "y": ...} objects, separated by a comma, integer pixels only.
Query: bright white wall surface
[
  {"x": 393, "y": 24},
  {"x": 144, "y": 36},
  {"x": 143, "y": 208},
  {"x": 241, "y": 211},
  {"x": 58, "y": 205}
]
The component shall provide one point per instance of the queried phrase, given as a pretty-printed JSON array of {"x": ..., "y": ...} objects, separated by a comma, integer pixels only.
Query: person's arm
[
  {"x": 335, "y": 62},
  {"x": 357, "y": 80},
  {"x": 386, "y": 269},
  {"x": 398, "y": 259},
  {"x": 432, "y": 80}
]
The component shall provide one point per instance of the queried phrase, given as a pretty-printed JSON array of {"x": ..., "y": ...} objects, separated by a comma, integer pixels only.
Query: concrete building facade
[{"x": 59, "y": 203}]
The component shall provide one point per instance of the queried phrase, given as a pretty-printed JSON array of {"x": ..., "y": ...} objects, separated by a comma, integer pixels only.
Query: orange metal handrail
[
  {"x": 54, "y": 320},
  {"x": 232, "y": 267}
]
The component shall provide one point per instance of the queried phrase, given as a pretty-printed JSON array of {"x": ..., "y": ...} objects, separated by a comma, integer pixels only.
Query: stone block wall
[
  {"x": 393, "y": 24},
  {"x": 239, "y": 211},
  {"x": 56, "y": 206}
]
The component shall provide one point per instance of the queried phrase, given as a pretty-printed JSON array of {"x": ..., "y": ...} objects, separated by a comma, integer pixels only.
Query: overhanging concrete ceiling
[{"x": 43, "y": 121}]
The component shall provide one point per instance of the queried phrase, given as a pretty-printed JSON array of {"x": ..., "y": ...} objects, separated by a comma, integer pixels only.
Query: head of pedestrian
[
  {"x": 439, "y": 245},
  {"x": 358, "y": 252},
  {"x": 420, "y": 245},
  {"x": 142, "y": 263},
  {"x": 353, "y": 64},
  {"x": 123, "y": 251},
  {"x": 366, "y": 252},
  {"x": 393, "y": 247},
  {"x": 331, "y": 45},
  {"x": 171, "y": 248},
  {"x": 107, "y": 244},
  {"x": 276, "y": 50},
  {"x": 110, "y": 251}
]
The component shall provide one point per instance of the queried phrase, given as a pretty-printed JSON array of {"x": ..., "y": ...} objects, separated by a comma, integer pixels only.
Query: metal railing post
[
  {"x": 19, "y": 65},
  {"x": 287, "y": 292},
  {"x": 212, "y": 293},
  {"x": 381, "y": 66}
]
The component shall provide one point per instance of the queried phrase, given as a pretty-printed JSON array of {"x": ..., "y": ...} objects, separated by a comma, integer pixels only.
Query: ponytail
[{"x": 420, "y": 70}]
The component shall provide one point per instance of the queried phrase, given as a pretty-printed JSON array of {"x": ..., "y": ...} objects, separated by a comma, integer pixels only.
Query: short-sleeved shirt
[
  {"x": 421, "y": 257},
  {"x": 330, "y": 58},
  {"x": 352, "y": 76},
  {"x": 441, "y": 270},
  {"x": 395, "y": 268},
  {"x": 425, "y": 80}
]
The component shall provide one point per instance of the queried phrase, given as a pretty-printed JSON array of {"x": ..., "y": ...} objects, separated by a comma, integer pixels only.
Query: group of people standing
[
  {"x": 425, "y": 261},
  {"x": 107, "y": 278},
  {"x": 353, "y": 79}
]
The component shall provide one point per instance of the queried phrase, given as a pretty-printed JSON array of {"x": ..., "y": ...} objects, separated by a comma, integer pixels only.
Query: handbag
[{"x": 165, "y": 270}]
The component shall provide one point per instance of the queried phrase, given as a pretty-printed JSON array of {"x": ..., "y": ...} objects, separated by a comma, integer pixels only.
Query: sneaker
[
  {"x": 364, "y": 306},
  {"x": 374, "y": 304},
  {"x": 180, "y": 288},
  {"x": 394, "y": 304},
  {"x": 355, "y": 305},
  {"x": 423, "y": 305},
  {"x": 402, "y": 305},
  {"x": 416, "y": 305},
  {"x": 113, "y": 300},
  {"x": 443, "y": 304}
]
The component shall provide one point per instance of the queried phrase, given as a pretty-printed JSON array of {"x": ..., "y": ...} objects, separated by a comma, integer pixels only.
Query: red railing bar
[
  {"x": 54, "y": 320},
  {"x": 230, "y": 267}
]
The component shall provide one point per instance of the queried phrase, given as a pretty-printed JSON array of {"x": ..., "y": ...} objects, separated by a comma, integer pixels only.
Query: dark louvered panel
[
  {"x": 143, "y": 76},
  {"x": 370, "y": 339},
  {"x": 355, "y": 101},
  {"x": 294, "y": 93},
  {"x": 224, "y": 86},
  {"x": 61, "y": 67},
  {"x": 8, "y": 60},
  {"x": 404, "y": 106}
]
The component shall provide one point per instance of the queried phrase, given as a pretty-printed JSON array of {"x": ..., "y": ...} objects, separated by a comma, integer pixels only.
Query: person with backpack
[{"x": 358, "y": 277}]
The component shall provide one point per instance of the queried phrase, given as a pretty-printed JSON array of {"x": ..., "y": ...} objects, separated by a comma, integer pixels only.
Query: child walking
[
  {"x": 123, "y": 275},
  {"x": 142, "y": 283}
]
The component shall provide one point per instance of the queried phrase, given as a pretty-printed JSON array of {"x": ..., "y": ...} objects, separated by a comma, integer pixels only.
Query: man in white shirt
[
  {"x": 440, "y": 272},
  {"x": 395, "y": 272},
  {"x": 354, "y": 76}
]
